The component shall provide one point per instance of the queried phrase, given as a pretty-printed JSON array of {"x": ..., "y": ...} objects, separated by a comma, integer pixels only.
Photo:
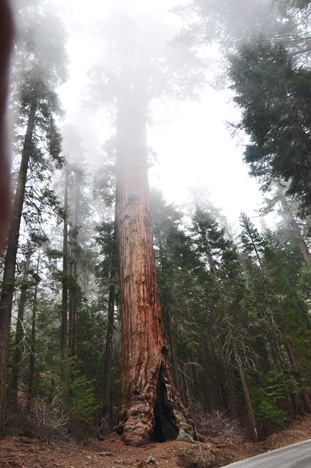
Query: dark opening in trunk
[{"x": 164, "y": 420}]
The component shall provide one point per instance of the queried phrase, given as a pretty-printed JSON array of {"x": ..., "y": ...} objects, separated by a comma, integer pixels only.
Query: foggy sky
[{"x": 192, "y": 143}]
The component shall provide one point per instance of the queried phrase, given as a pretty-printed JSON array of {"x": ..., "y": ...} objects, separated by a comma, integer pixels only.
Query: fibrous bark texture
[{"x": 151, "y": 408}]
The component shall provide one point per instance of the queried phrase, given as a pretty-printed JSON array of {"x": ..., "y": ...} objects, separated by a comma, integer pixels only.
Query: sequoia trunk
[{"x": 151, "y": 407}]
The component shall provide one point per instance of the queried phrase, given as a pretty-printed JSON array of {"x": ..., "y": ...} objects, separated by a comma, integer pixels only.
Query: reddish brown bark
[{"x": 151, "y": 407}]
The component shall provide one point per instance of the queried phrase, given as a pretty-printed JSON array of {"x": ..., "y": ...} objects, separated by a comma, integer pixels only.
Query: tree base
[{"x": 155, "y": 417}]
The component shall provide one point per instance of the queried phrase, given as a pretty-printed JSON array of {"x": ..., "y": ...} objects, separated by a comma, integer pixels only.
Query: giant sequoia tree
[{"x": 151, "y": 407}]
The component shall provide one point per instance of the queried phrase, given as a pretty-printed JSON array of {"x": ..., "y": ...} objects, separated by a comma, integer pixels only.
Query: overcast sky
[{"x": 192, "y": 142}]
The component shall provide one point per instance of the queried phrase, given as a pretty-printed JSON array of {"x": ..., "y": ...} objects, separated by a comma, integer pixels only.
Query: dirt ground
[{"x": 214, "y": 452}]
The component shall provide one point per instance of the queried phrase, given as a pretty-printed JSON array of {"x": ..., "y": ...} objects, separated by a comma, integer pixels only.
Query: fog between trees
[{"x": 162, "y": 296}]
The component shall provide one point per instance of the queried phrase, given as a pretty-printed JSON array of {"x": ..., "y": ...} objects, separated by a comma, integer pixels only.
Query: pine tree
[
  {"x": 232, "y": 23},
  {"x": 6, "y": 39},
  {"x": 177, "y": 266},
  {"x": 19, "y": 334},
  {"x": 42, "y": 69},
  {"x": 274, "y": 96},
  {"x": 32, "y": 356},
  {"x": 107, "y": 279},
  {"x": 228, "y": 291},
  {"x": 278, "y": 303}
]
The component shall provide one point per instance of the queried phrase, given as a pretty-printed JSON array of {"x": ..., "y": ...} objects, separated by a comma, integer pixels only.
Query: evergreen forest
[{"x": 235, "y": 300}]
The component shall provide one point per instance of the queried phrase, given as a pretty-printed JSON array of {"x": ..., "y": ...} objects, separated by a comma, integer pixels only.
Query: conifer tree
[
  {"x": 290, "y": 218},
  {"x": 278, "y": 303},
  {"x": 177, "y": 270},
  {"x": 40, "y": 67},
  {"x": 19, "y": 334},
  {"x": 107, "y": 280},
  {"x": 222, "y": 259},
  {"x": 32, "y": 356},
  {"x": 274, "y": 96}
]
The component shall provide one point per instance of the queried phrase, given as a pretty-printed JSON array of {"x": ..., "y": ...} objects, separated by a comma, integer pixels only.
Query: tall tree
[
  {"x": 107, "y": 279},
  {"x": 19, "y": 334},
  {"x": 290, "y": 218},
  {"x": 107, "y": 270},
  {"x": 230, "y": 23},
  {"x": 78, "y": 225},
  {"x": 41, "y": 67},
  {"x": 151, "y": 407},
  {"x": 6, "y": 46},
  {"x": 274, "y": 95},
  {"x": 222, "y": 259},
  {"x": 176, "y": 270},
  {"x": 165, "y": 221},
  {"x": 279, "y": 308},
  {"x": 64, "y": 322},
  {"x": 32, "y": 356}
]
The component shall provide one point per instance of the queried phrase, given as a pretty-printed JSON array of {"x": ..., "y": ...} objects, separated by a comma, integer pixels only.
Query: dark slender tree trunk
[
  {"x": 183, "y": 384},
  {"x": 64, "y": 324},
  {"x": 233, "y": 343},
  {"x": 231, "y": 400},
  {"x": 32, "y": 357},
  {"x": 73, "y": 295},
  {"x": 274, "y": 329},
  {"x": 237, "y": 358},
  {"x": 6, "y": 38},
  {"x": 10, "y": 259},
  {"x": 106, "y": 412},
  {"x": 171, "y": 341},
  {"x": 73, "y": 303},
  {"x": 214, "y": 399},
  {"x": 228, "y": 373},
  {"x": 293, "y": 361},
  {"x": 19, "y": 334},
  {"x": 167, "y": 317},
  {"x": 209, "y": 395},
  {"x": 151, "y": 407}
]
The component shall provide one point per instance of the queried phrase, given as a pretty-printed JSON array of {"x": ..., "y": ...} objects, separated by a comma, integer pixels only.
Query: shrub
[
  {"x": 219, "y": 421},
  {"x": 266, "y": 398},
  {"x": 82, "y": 403},
  {"x": 48, "y": 419}
]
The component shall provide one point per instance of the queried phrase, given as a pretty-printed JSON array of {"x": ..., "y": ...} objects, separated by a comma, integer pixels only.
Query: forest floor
[{"x": 216, "y": 451}]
